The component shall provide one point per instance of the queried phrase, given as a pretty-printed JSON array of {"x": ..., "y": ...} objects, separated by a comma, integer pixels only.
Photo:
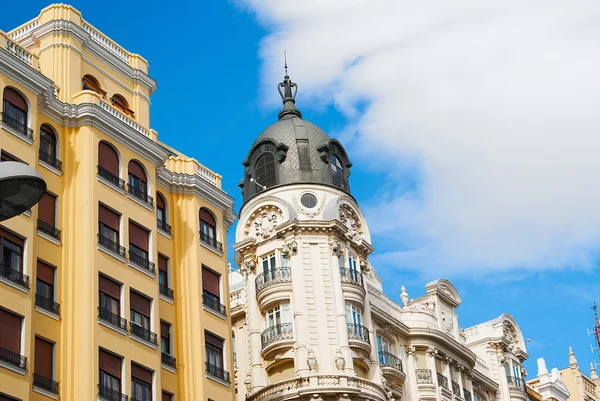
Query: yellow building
[{"x": 115, "y": 284}]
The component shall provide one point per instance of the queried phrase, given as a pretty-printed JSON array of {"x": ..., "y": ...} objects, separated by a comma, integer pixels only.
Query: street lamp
[{"x": 21, "y": 187}]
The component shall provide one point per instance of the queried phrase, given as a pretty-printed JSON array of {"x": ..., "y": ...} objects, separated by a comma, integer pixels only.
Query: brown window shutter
[
  {"x": 165, "y": 329},
  {"x": 163, "y": 262},
  {"x": 43, "y": 358},
  {"x": 210, "y": 281},
  {"x": 110, "y": 363},
  {"x": 45, "y": 272},
  {"x": 207, "y": 217},
  {"x": 165, "y": 396},
  {"x": 15, "y": 98},
  {"x": 108, "y": 158},
  {"x": 108, "y": 217},
  {"x": 47, "y": 209},
  {"x": 213, "y": 340},
  {"x": 160, "y": 202},
  {"x": 135, "y": 169},
  {"x": 11, "y": 237},
  {"x": 139, "y": 303},
  {"x": 109, "y": 287},
  {"x": 138, "y": 236},
  {"x": 10, "y": 331},
  {"x": 141, "y": 373}
]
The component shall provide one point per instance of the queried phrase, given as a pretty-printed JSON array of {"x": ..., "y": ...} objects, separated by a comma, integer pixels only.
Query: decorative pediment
[{"x": 263, "y": 222}]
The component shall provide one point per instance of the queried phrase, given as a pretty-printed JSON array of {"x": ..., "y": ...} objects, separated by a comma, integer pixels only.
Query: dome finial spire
[{"x": 289, "y": 99}]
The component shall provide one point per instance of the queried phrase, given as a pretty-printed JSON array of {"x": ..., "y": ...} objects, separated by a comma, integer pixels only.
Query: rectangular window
[
  {"x": 47, "y": 209},
  {"x": 211, "y": 282},
  {"x": 44, "y": 358},
  {"x": 140, "y": 310},
  {"x": 109, "y": 223},
  {"x": 138, "y": 240},
  {"x": 383, "y": 346},
  {"x": 15, "y": 112},
  {"x": 141, "y": 383},
  {"x": 214, "y": 350},
  {"x": 278, "y": 315},
  {"x": 110, "y": 295},
  {"x": 11, "y": 250},
  {"x": 7, "y": 157},
  {"x": 268, "y": 265},
  {"x": 10, "y": 331},
  {"x": 166, "y": 396},
  {"x": 165, "y": 337},
  {"x": 353, "y": 314},
  {"x": 353, "y": 267},
  {"x": 163, "y": 272},
  {"x": 137, "y": 183},
  {"x": 45, "y": 280},
  {"x": 110, "y": 372}
]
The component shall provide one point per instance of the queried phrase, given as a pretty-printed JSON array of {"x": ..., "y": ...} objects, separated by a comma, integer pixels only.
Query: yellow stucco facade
[{"x": 176, "y": 204}]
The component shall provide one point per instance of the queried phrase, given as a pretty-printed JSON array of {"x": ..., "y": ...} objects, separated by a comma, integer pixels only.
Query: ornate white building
[{"x": 310, "y": 319}]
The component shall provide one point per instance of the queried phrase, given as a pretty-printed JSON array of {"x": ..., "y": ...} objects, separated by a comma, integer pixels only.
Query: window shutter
[
  {"x": 138, "y": 236},
  {"x": 45, "y": 272},
  {"x": 15, "y": 98},
  {"x": 108, "y": 217},
  {"x": 108, "y": 158},
  {"x": 165, "y": 397},
  {"x": 207, "y": 217},
  {"x": 47, "y": 209},
  {"x": 141, "y": 373},
  {"x": 139, "y": 303},
  {"x": 11, "y": 237},
  {"x": 210, "y": 282},
  {"x": 163, "y": 262},
  {"x": 110, "y": 363},
  {"x": 160, "y": 202},
  {"x": 165, "y": 330},
  {"x": 10, "y": 331},
  {"x": 44, "y": 356},
  {"x": 109, "y": 287},
  {"x": 135, "y": 169},
  {"x": 213, "y": 340}
]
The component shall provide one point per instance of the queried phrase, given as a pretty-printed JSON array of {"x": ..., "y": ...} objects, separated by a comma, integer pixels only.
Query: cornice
[
  {"x": 385, "y": 317},
  {"x": 193, "y": 184},
  {"x": 486, "y": 381},
  {"x": 24, "y": 74},
  {"x": 73, "y": 30},
  {"x": 438, "y": 336}
]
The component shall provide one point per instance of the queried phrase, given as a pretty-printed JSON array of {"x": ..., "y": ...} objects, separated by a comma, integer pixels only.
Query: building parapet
[{"x": 19, "y": 52}]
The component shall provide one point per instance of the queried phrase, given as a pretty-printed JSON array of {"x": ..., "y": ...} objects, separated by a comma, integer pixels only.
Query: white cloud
[{"x": 496, "y": 104}]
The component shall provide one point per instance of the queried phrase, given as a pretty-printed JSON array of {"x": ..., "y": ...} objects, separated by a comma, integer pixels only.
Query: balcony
[
  {"x": 142, "y": 333},
  {"x": 352, "y": 286},
  {"x": 358, "y": 336},
  {"x": 112, "y": 319},
  {"x": 45, "y": 384},
  {"x": 17, "y": 126},
  {"x": 424, "y": 376},
  {"x": 273, "y": 276},
  {"x": 111, "y": 246},
  {"x": 339, "y": 181},
  {"x": 50, "y": 160},
  {"x": 276, "y": 333},
  {"x": 139, "y": 257},
  {"x": 163, "y": 226},
  {"x": 48, "y": 229},
  {"x": 140, "y": 195},
  {"x": 14, "y": 276},
  {"x": 213, "y": 303},
  {"x": 111, "y": 178},
  {"x": 516, "y": 383},
  {"x": 165, "y": 291},
  {"x": 351, "y": 276},
  {"x": 211, "y": 242},
  {"x": 467, "y": 394},
  {"x": 168, "y": 360},
  {"x": 108, "y": 394},
  {"x": 47, "y": 304},
  {"x": 391, "y": 366},
  {"x": 442, "y": 381},
  {"x": 455, "y": 388},
  {"x": 427, "y": 390},
  {"x": 13, "y": 359},
  {"x": 217, "y": 372}
]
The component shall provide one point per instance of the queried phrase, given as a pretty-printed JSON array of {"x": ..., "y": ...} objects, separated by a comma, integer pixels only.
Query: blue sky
[{"x": 453, "y": 151}]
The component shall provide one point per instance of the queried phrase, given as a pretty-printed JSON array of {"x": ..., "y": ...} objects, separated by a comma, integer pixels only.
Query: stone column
[
  {"x": 411, "y": 387},
  {"x": 375, "y": 369},
  {"x": 340, "y": 307},
  {"x": 259, "y": 375},
  {"x": 432, "y": 353}
]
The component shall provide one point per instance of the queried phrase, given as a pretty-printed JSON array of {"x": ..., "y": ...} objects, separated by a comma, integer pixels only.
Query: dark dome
[{"x": 292, "y": 151}]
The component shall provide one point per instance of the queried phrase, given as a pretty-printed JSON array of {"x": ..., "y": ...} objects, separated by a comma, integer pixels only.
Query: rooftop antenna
[
  {"x": 285, "y": 62},
  {"x": 595, "y": 347}
]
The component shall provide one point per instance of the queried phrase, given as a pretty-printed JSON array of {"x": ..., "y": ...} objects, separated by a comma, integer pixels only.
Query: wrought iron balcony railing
[
  {"x": 12, "y": 358},
  {"x": 17, "y": 126},
  {"x": 112, "y": 319},
  {"x": 351, "y": 276},
  {"x": 45, "y": 383},
  {"x": 358, "y": 332},
  {"x": 338, "y": 180},
  {"x": 166, "y": 291},
  {"x": 273, "y": 276},
  {"x": 213, "y": 303},
  {"x": 442, "y": 381},
  {"x": 424, "y": 376},
  {"x": 215, "y": 371},
  {"x": 110, "y": 177},
  {"x": 210, "y": 241},
  {"x": 48, "y": 229},
  {"x": 47, "y": 304},
  {"x": 276, "y": 333},
  {"x": 467, "y": 394},
  {"x": 516, "y": 383},
  {"x": 140, "y": 194},
  {"x": 163, "y": 226},
  {"x": 391, "y": 360},
  {"x": 50, "y": 160},
  {"x": 111, "y": 245},
  {"x": 140, "y": 259},
  {"x": 14, "y": 276},
  {"x": 142, "y": 333},
  {"x": 455, "y": 388},
  {"x": 168, "y": 360},
  {"x": 108, "y": 394}
]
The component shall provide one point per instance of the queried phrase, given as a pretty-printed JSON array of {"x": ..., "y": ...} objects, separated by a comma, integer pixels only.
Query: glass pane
[{"x": 162, "y": 278}]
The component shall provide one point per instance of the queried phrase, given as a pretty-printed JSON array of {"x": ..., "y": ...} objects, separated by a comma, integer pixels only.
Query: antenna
[
  {"x": 285, "y": 62},
  {"x": 595, "y": 347}
]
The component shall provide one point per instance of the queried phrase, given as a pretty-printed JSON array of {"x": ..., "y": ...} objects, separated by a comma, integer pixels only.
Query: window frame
[{"x": 270, "y": 177}]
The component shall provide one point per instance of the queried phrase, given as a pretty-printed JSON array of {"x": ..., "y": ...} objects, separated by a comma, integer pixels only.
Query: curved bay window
[
  {"x": 121, "y": 104},
  {"x": 48, "y": 149},
  {"x": 14, "y": 112},
  {"x": 138, "y": 182},
  {"x": 208, "y": 229},
  {"x": 88, "y": 82},
  {"x": 337, "y": 172},
  {"x": 264, "y": 170}
]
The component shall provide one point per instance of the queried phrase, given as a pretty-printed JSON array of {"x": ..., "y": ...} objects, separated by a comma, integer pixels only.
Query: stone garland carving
[
  {"x": 290, "y": 249},
  {"x": 310, "y": 213},
  {"x": 352, "y": 223},
  {"x": 265, "y": 225}
]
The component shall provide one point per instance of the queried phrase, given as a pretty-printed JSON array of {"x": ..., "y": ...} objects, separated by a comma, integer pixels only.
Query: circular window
[{"x": 308, "y": 200}]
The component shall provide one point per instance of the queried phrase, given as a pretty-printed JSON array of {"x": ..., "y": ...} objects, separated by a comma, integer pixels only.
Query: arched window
[
  {"x": 14, "y": 111},
  {"x": 92, "y": 84},
  {"x": 161, "y": 213},
  {"x": 138, "y": 182},
  {"x": 48, "y": 147},
  {"x": 121, "y": 104},
  {"x": 264, "y": 170},
  {"x": 208, "y": 229},
  {"x": 108, "y": 164},
  {"x": 337, "y": 172}
]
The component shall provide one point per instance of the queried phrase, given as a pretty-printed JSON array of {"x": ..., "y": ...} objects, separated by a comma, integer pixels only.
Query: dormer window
[
  {"x": 264, "y": 171},
  {"x": 121, "y": 104},
  {"x": 337, "y": 172}
]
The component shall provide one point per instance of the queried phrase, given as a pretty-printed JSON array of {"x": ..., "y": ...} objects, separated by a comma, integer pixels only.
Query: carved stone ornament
[
  {"x": 432, "y": 352},
  {"x": 310, "y": 213},
  {"x": 248, "y": 382},
  {"x": 336, "y": 248},
  {"x": 351, "y": 221},
  {"x": 447, "y": 321},
  {"x": 249, "y": 266},
  {"x": 411, "y": 350},
  {"x": 265, "y": 224},
  {"x": 290, "y": 249},
  {"x": 311, "y": 360},
  {"x": 340, "y": 361},
  {"x": 508, "y": 332}
]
